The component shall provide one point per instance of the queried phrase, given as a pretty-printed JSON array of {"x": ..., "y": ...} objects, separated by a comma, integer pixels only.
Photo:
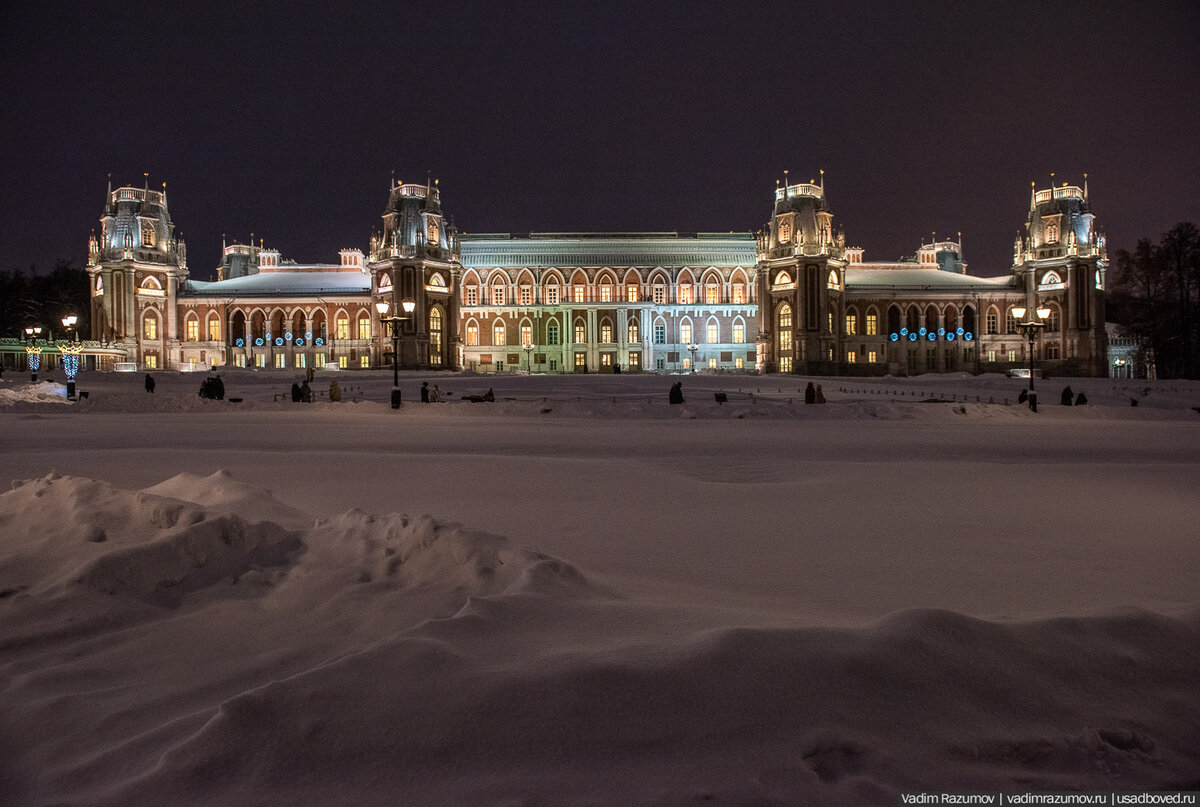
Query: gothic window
[
  {"x": 192, "y": 327},
  {"x": 712, "y": 294},
  {"x": 833, "y": 280},
  {"x": 551, "y": 294},
  {"x": 739, "y": 332},
  {"x": 552, "y": 333},
  {"x": 712, "y": 332},
  {"x": 606, "y": 332},
  {"x": 342, "y": 326},
  {"x": 1051, "y": 232},
  {"x": 580, "y": 333},
  {"x": 471, "y": 295},
  {"x": 993, "y": 322},
  {"x": 685, "y": 293},
  {"x": 435, "y": 335},
  {"x": 472, "y": 333},
  {"x": 527, "y": 295},
  {"x": 606, "y": 294},
  {"x": 685, "y": 333},
  {"x": 385, "y": 282},
  {"x": 739, "y": 293},
  {"x": 660, "y": 294},
  {"x": 784, "y": 318},
  {"x": 1010, "y": 322},
  {"x": 631, "y": 293},
  {"x": 632, "y": 328},
  {"x": 1054, "y": 323},
  {"x": 150, "y": 325},
  {"x": 872, "y": 324},
  {"x": 498, "y": 293},
  {"x": 214, "y": 328},
  {"x": 148, "y": 235},
  {"x": 364, "y": 326},
  {"x": 526, "y": 333},
  {"x": 851, "y": 322},
  {"x": 660, "y": 334},
  {"x": 499, "y": 337},
  {"x": 579, "y": 293},
  {"x": 782, "y": 279}
]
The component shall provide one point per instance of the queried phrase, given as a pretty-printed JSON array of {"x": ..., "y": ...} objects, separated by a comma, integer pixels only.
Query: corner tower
[
  {"x": 134, "y": 270},
  {"x": 1061, "y": 263},
  {"x": 415, "y": 258},
  {"x": 801, "y": 280}
]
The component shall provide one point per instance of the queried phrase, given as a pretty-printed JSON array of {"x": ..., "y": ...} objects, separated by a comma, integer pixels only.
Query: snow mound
[
  {"x": 64, "y": 531},
  {"x": 416, "y": 553},
  {"x": 222, "y": 492},
  {"x": 43, "y": 392}
]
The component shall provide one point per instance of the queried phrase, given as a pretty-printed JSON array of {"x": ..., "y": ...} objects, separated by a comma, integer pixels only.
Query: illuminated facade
[{"x": 791, "y": 298}]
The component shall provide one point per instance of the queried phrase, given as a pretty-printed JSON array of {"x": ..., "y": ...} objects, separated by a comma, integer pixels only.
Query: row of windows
[
  {"x": 553, "y": 294},
  {"x": 712, "y": 333}
]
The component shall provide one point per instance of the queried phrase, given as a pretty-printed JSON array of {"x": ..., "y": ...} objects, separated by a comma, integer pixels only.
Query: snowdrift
[{"x": 201, "y": 642}]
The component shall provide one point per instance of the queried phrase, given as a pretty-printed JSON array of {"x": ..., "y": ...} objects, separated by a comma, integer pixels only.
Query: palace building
[{"x": 790, "y": 298}]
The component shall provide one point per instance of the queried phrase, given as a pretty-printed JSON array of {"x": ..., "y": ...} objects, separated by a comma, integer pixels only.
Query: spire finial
[
  {"x": 393, "y": 180},
  {"x": 822, "y": 170},
  {"x": 1085, "y": 184}
]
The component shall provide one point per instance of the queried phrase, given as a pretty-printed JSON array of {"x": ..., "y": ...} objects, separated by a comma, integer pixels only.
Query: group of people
[
  {"x": 1080, "y": 399},
  {"x": 301, "y": 392},
  {"x": 814, "y": 395},
  {"x": 212, "y": 388},
  {"x": 430, "y": 395}
]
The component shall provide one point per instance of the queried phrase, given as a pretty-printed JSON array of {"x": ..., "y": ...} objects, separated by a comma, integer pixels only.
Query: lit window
[
  {"x": 214, "y": 330},
  {"x": 872, "y": 356},
  {"x": 579, "y": 293},
  {"x": 785, "y": 364},
  {"x": 851, "y": 324},
  {"x": 633, "y": 332},
  {"x": 606, "y": 333},
  {"x": 151, "y": 362},
  {"x": 499, "y": 337},
  {"x": 830, "y": 323},
  {"x": 260, "y": 360},
  {"x": 1051, "y": 232},
  {"x": 685, "y": 333},
  {"x": 851, "y": 357},
  {"x": 435, "y": 336},
  {"x": 579, "y": 334},
  {"x": 687, "y": 364},
  {"x": 527, "y": 295},
  {"x": 739, "y": 332},
  {"x": 526, "y": 334},
  {"x": 712, "y": 364},
  {"x": 606, "y": 293},
  {"x": 631, "y": 293},
  {"x": 635, "y": 360},
  {"x": 606, "y": 359},
  {"x": 713, "y": 333},
  {"x": 300, "y": 361},
  {"x": 193, "y": 330},
  {"x": 343, "y": 362},
  {"x": 150, "y": 327},
  {"x": 739, "y": 362},
  {"x": 785, "y": 334},
  {"x": 342, "y": 327},
  {"x": 872, "y": 325},
  {"x": 1012, "y": 355},
  {"x": 364, "y": 327},
  {"x": 580, "y": 359},
  {"x": 364, "y": 362},
  {"x": 711, "y": 294},
  {"x": 148, "y": 236},
  {"x": 280, "y": 361},
  {"x": 685, "y": 294},
  {"x": 991, "y": 355},
  {"x": 739, "y": 293}
]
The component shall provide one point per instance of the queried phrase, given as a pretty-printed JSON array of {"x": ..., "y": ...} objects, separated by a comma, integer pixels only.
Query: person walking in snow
[
  {"x": 335, "y": 392},
  {"x": 436, "y": 395},
  {"x": 1067, "y": 396},
  {"x": 810, "y": 394},
  {"x": 820, "y": 396},
  {"x": 149, "y": 383},
  {"x": 424, "y": 392},
  {"x": 295, "y": 392}
]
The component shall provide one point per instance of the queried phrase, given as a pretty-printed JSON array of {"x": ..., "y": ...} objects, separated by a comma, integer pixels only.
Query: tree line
[
  {"x": 1155, "y": 297},
  {"x": 32, "y": 299}
]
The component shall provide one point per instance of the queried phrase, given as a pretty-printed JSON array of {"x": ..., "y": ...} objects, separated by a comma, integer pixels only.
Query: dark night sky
[{"x": 287, "y": 121}]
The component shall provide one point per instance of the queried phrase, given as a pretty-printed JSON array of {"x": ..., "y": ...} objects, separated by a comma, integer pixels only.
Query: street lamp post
[
  {"x": 32, "y": 351},
  {"x": 693, "y": 348},
  {"x": 393, "y": 323},
  {"x": 70, "y": 353},
  {"x": 1030, "y": 328},
  {"x": 528, "y": 348}
]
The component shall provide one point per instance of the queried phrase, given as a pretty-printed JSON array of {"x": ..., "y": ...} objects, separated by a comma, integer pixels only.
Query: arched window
[
  {"x": 437, "y": 280},
  {"x": 191, "y": 328},
  {"x": 739, "y": 332},
  {"x": 784, "y": 317},
  {"x": 1054, "y": 322},
  {"x": 499, "y": 336},
  {"x": 872, "y": 322},
  {"x": 913, "y": 320},
  {"x": 580, "y": 332},
  {"x": 606, "y": 332},
  {"x": 1051, "y": 232},
  {"x": 385, "y": 283},
  {"x": 712, "y": 331},
  {"x": 685, "y": 332},
  {"x": 214, "y": 328},
  {"x": 833, "y": 280},
  {"x": 632, "y": 337},
  {"x": 435, "y": 335},
  {"x": 498, "y": 288},
  {"x": 1051, "y": 278},
  {"x": 99, "y": 283},
  {"x": 968, "y": 321},
  {"x": 526, "y": 333},
  {"x": 148, "y": 234},
  {"x": 471, "y": 292},
  {"x": 606, "y": 290},
  {"x": 552, "y": 335},
  {"x": 895, "y": 319},
  {"x": 782, "y": 279},
  {"x": 341, "y": 328},
  {"x": 150, "y": 325},
  {"x": 712, "y": 293},
  {"x": 472, "y": 333},
  {"x": 851, "y": 321},
  {"x": 993, "y": 321},
  {"x": 364, "y": 325}
]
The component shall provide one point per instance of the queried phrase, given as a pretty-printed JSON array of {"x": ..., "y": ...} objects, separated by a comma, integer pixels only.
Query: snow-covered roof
[
  {"x": 273, "y": 283},
  {"x": 929, "y": 278},
  {"x": 607, "y": 249}
]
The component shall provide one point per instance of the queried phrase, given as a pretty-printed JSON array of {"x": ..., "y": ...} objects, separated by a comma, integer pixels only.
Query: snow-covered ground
[{"x": 579, "y": 594}]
